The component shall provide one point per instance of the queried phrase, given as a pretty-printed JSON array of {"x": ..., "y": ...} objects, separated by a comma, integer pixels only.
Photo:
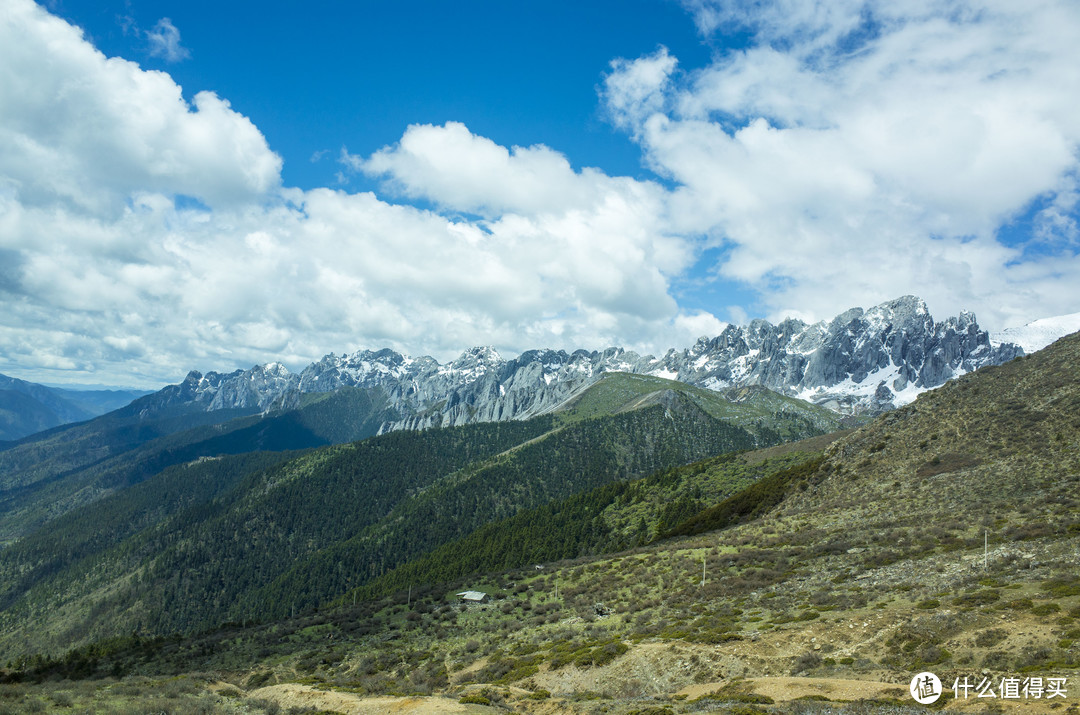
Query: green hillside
[
  {"x": 812, "y": 578},
  {"x": 196, "y": 540},
  {"x": 755, "y": 408},
  {"x": 607, "y": 519},
  {"x": 315, "y": 491}
]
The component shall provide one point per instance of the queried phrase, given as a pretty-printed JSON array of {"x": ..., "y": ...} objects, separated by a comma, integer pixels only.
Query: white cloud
[
  {"x": 830, "y": 177},
  {"x": 116, "y": 275},
  {"x": 85, "y": 131},
  {"x": 182, "y": 289},
  {"x": 860, "y": 150},
  {"x": 801, "y": 26},
  {"x": 635, "y": 90},
  {"x": 164, "y": 42},
  {"x": 460, "y": 171}
]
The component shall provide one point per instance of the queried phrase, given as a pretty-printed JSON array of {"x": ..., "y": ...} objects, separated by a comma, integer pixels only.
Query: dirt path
[
  {"x": 290, "y": 695},
  {"x": 782, "y": 689}
]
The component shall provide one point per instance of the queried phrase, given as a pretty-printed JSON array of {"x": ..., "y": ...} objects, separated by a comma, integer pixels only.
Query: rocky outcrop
[{"x": 859, "y": 362}]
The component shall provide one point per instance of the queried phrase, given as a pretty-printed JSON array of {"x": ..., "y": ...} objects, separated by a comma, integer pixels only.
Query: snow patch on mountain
[{"x": 1037, "y": 334}]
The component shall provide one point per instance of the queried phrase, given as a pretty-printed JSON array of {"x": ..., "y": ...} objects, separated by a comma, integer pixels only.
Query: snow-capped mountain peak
[{"x": 860, "y": 361}]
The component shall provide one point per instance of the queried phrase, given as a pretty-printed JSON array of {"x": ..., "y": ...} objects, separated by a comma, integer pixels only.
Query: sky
[{"x": 187, "y": 185}]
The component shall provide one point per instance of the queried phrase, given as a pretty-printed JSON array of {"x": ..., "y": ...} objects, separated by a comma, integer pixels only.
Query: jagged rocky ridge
[{"x": 859, "y": 362}]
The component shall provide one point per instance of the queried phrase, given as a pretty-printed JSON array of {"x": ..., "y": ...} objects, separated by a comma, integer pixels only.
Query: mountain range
[
  {"x": 860, "y": 362},
  {"x": 221, "y": 522},
  {"x": 587, "y": 418}
]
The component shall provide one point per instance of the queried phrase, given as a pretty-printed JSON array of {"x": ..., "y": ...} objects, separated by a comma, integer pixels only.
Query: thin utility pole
[{"x": 986, "y": 543}]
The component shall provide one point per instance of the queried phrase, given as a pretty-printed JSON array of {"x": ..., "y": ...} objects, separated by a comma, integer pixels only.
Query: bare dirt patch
[{"x": 289, "y": 695}]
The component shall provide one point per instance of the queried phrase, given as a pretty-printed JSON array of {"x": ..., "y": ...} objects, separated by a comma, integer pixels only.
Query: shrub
[
  {"x": 806, "y": 661},
  {"x": 1045, "y": 609},
  {"x": 990, "y": 638},
  {"x": 1034, "y": 658},
  {"x": 979, "y": 598},
  {"x": 1063, "y": 586},
  {"x": 62, "y": 699}
]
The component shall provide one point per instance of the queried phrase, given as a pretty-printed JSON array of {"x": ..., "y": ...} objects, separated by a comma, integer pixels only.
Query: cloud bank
[
  {"x": 859, "y": 150},
  {"x": 842, "y": 157},
  {"x": 144, "y": 235}
]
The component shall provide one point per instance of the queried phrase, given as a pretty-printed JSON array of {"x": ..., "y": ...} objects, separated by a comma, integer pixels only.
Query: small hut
[{"x": 473, "y": 597}]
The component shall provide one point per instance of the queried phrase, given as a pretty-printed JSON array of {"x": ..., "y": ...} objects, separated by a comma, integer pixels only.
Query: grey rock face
[{"x": 859, "y": 362}]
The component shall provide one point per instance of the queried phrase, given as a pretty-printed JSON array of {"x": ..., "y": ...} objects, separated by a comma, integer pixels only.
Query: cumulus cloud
[
  {"x": 167, "y": 289},
  {"x": 144, "y": 236},
  {"x": 858, "y": 150},
  {"x": 164, "y": 42},
  {"x": 635, "y": 90},
  {"x": 834, "y": 162},
  {"x": 460, "y": 171},
  {"x": 84, "y": 131}
]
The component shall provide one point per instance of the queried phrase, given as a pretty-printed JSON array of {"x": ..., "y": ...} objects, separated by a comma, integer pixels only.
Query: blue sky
[
  {"x": 208, "y": 186},
  {"x": 318, "y": 77}
]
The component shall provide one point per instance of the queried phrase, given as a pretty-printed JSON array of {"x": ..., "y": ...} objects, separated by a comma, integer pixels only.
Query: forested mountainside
[
  {"x": 259, "y": 536},
  {"x": 46, "y": 475},
  {"x": 341, "y": 399}
]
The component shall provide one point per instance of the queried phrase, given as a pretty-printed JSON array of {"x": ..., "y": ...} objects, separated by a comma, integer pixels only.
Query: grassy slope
[
  {"x": 753, "y": 408},
  {"x": 870, "y": 568}
]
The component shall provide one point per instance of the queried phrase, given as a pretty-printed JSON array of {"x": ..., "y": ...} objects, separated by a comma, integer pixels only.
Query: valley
[{"x": 812, "y": 576}]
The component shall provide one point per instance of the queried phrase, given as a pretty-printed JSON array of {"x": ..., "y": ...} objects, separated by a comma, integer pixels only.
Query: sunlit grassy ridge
[{"x": 750, "y": 407}]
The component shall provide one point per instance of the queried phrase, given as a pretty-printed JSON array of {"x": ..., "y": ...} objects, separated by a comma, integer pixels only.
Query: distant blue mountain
[{"x": 27, "y": 407}]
